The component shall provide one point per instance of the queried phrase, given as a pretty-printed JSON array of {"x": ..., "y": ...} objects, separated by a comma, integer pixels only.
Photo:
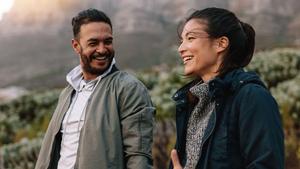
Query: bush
[
  {"x": 276, "y": 66},
  {"x": 29, "y": 115},
  {"x": 167, "y": 80},
  {"x": 20, "y": 155}
]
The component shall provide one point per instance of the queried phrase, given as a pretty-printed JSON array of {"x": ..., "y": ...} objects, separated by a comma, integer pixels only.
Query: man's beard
[{"x": 87, "y": 67}]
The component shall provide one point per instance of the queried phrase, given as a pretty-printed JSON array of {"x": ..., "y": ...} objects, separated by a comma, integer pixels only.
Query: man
[{"x": 104, "y": 117}]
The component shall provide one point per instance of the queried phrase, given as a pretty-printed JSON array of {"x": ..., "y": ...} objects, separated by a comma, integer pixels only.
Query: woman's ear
[{"x": 222, "y": 44}]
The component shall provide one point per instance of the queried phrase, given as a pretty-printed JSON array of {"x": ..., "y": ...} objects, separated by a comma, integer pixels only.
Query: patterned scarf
[{"x": 197, "y": 124}]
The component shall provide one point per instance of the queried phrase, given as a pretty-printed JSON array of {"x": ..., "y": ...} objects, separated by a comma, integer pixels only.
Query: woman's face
[{"x": 198, "y": 50}]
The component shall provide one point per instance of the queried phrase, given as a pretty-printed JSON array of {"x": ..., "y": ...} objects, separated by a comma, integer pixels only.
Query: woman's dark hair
[
  {"x": 221, "y": 22},
  {"x": 87, "y": 16}
]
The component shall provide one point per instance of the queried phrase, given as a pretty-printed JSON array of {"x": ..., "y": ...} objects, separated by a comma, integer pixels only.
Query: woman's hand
[{"x": 175, "y": 160}]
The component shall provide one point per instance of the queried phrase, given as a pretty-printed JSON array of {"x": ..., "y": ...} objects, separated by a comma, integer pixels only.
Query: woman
[{"x": 226, "y": 118}]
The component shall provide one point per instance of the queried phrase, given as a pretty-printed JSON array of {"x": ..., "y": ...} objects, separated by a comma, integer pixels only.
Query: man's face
[{"x": 95, "y": 47}]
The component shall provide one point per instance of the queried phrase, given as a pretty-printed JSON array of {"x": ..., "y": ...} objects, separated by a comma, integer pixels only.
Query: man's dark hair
[{"x": 87, "y": 16}]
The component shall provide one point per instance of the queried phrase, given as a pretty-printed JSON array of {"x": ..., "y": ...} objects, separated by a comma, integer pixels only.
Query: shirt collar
[{"x": 75, "y": 78}]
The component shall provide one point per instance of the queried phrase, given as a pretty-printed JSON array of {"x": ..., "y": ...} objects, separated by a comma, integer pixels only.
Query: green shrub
[
  {"x": 28, "y": 116},
  {"x": 276, "y": 66},
  {"x": 20, "y": 155}
]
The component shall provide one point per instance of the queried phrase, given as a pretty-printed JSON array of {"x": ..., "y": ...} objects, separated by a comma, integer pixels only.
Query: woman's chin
[{"x": 188, "y": 73}]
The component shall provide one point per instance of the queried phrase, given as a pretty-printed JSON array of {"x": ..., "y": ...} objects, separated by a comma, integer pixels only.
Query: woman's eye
[{"x": 190, "y": 38}]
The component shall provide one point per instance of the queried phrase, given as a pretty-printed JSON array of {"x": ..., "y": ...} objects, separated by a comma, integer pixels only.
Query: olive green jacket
[{"x": 118, "y": 129}]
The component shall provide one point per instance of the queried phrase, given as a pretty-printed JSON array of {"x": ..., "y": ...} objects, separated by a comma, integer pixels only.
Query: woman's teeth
[{"x": 186, "y": 59}]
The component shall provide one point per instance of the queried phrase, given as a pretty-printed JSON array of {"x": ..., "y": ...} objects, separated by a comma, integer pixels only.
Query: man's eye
[
  {"x": 108, "y": 42},
  {"x": 92, "y": 44}
]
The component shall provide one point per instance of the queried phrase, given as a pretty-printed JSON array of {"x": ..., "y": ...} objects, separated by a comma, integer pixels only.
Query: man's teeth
[{"x": 100, "y": 57}]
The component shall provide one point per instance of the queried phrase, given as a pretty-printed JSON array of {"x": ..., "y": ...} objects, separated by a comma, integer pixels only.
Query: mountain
[{"x": 35, "y": 36}]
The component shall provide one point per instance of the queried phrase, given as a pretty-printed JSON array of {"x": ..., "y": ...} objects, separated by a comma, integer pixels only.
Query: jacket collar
[
  {"x": 74, "y": 77},
  {"x": 229, "y": 83},
  {"x": 181, "y": 93},
  {"x": 233, "y": 81}
]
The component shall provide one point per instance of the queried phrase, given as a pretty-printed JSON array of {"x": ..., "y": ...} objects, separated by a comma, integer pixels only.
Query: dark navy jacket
[{"x": 244, "y": 130}]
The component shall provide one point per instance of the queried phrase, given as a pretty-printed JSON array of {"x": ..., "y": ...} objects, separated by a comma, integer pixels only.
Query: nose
[
  {"x": 101, "y": 48},
  {"x": 181, "y": 48}
]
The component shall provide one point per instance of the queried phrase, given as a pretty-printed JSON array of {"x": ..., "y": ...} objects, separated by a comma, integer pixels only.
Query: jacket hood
[
  {"x": 234, "y": 80},
  {"x": 230, "y": 82}
]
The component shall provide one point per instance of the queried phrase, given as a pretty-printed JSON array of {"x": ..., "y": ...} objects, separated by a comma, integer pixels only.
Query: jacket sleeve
[
  {"x": 261, "y": 133},
  {"x": 137, "y": 120}
]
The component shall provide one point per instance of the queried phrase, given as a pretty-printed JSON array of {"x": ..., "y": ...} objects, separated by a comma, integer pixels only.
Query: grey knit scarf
[{"x": 197, "y": 124}]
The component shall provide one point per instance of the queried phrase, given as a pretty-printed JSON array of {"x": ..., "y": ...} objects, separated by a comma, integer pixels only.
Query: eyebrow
[
  {"x": 198, "y": 34},
  {"x": 92, "y": 40},
  {"x": 194, "y": 31},
  {"x": 95, "y": 39}
]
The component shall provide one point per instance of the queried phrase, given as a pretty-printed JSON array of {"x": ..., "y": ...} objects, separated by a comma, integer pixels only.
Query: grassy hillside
[{"x": 23, "y": 121}]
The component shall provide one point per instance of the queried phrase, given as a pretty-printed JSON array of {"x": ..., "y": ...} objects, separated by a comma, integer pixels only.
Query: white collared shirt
[{"x": 74, "y": 117}]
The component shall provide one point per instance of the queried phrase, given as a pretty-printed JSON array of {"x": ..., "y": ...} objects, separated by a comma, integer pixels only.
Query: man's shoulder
[
  {"x": 126, "y": 79},
  {"x": 66, "y": 91}
]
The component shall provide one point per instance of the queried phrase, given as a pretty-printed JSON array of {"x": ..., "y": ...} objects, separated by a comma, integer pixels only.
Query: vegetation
[{"x": 23, "y": 121}]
